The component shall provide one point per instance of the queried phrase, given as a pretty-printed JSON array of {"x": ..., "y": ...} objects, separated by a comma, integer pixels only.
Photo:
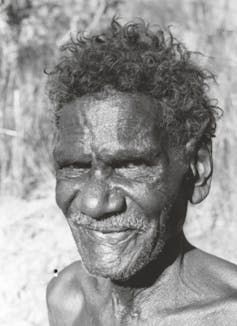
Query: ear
[{"x": 201, "y": 165}]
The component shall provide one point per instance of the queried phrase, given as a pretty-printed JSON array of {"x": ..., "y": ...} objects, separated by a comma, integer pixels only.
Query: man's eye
[
  {"x": 74, "y": 170},
  {"x": 125, "y": 166},
  {"x": 130, "y": 164},
  {"x": 78, "y": 166}
]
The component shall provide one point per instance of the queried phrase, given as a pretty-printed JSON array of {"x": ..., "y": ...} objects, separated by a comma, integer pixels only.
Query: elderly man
[{"x": 134, "y": 129}]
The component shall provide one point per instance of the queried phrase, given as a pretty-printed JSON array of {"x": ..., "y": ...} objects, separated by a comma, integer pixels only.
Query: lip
[
  {"x": 111, "y": 236},
  {"x": 109, "y": 230},
  {"x": 104, "y": 227}
]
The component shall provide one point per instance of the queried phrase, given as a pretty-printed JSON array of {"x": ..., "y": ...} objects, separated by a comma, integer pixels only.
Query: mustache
[
  {"x": 130, "y": 220},
  {"x": 121, "y": 221}
]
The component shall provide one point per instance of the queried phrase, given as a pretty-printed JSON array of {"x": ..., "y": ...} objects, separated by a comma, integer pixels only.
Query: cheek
[
  {"x": 149, "y": 197},
  {"x": 65, "y": 192},
  {"x": 160, "y": 191},
  {"x": 146, "y": 187},
  {"x": 154, "y": 199}
]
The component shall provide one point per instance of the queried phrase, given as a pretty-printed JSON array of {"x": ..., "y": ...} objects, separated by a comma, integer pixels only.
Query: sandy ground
[{"x": 35, "y": 240}]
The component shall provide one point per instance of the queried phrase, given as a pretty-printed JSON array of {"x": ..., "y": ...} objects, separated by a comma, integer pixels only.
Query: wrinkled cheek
[
  {"x": 153, "y": 199},
  {"x": 65, "y": 192}
]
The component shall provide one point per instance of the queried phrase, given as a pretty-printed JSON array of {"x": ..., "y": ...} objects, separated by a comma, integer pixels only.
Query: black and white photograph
[{"x": 118, "y": 163}]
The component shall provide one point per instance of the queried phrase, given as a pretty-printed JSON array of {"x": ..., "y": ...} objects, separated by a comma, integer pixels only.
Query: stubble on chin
[{"x": 122, "y": 264}]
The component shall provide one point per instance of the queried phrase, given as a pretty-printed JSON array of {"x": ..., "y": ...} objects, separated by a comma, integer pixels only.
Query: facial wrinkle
[
  {"x": 103, "y": 138},
  {"x": 74, "y": 131},
  {"x": 123, "y": 128},
  {"x": 139, "y": 122}
]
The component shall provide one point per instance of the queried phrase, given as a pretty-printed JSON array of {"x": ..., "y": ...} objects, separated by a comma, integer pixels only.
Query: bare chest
[{"x": 219, "y": 313}]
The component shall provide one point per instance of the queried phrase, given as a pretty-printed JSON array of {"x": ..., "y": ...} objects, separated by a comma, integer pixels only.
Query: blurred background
[{"x": 34, "y": 237}]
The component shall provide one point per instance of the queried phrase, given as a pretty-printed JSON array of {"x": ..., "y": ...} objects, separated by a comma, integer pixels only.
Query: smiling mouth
[
  {"x": 110, "y": 229},
  {"x": 111, "y": 236}
]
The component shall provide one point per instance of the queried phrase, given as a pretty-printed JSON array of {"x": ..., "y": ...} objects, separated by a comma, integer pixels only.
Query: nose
[{"x": 98, "y": 201}]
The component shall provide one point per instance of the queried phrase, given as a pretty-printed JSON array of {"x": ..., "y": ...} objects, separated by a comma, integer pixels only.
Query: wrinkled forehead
[{"x": 124, "y": 120}]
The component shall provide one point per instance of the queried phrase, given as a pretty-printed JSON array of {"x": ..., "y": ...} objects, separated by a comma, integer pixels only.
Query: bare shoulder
[
  {"x": 65, "y": 295},
  {"x": 213, "y": 275},
  {"x": 216, "y": 268},
  {"x": 209, "y": 288},
  {"x": 73, "y": 295},
  {"x": 67, "y": 280}
]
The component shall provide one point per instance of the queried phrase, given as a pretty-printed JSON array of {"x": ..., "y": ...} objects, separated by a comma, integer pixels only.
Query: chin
[
  {"x": 118, "y": 261},
  {"x": 123, "y": 271}
]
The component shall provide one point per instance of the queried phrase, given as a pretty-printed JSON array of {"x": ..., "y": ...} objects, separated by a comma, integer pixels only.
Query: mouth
[
  {"x": 116, "y": 230},
  {"x": 106, "y": 230},
  {"x": 110, "y": 236}
]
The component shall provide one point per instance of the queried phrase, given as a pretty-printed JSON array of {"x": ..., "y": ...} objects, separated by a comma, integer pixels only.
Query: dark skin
[{"x": 124, "y": 192}]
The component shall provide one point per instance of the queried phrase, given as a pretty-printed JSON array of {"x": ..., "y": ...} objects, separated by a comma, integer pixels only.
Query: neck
[{"x": 126, "y": 293}]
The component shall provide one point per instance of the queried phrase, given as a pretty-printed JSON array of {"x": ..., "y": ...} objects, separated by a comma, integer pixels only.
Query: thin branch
[
  {"x": 8, "y": 132},
  {"x": 103, "y": 5}
]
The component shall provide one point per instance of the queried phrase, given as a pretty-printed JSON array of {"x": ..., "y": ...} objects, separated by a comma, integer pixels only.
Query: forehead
[{"x": 118, "y": 123}]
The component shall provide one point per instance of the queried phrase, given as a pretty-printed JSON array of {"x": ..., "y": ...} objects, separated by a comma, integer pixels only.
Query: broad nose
[{"x": 98, "y": 201}]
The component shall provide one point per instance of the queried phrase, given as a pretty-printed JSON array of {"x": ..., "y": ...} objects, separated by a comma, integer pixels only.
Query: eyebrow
[
  {"x": 68, "y": 158},
  {"x": 121, "y": 157},
  {"x": 125, "y": 156}
]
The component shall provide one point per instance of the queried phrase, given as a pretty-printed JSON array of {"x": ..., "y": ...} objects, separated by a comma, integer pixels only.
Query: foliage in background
[
  {"x": 34, "y": 237},
  {"x": 31, "y": 31}
]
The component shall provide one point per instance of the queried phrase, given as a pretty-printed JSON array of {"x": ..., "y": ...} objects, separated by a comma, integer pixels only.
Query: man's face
[{"x": 118, "y": 183}]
